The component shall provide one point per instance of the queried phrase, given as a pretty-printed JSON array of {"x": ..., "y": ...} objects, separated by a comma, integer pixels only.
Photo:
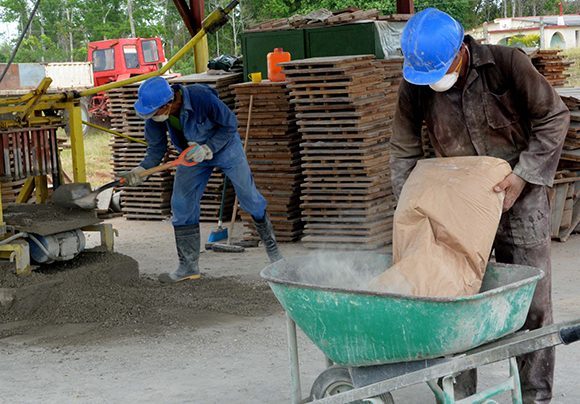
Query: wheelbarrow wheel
[{"x": 336, "y": 380}]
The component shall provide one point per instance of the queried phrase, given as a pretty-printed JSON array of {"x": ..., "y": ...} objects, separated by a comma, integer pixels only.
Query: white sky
[{"x": 8, "y": 31}]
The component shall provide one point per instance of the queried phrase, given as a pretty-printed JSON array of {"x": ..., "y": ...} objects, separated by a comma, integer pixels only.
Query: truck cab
[{"x": 119, "y": 59}]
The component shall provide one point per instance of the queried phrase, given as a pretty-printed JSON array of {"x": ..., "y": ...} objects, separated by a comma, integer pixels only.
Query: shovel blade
[{"x": 78, "y": 195}]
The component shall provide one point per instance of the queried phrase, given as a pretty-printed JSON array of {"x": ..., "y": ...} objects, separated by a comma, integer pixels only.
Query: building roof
[{"x": 569, "y": 19}]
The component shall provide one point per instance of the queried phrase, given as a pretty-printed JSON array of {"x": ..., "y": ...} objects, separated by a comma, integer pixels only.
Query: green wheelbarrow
[{"x": 376, "y": 343}]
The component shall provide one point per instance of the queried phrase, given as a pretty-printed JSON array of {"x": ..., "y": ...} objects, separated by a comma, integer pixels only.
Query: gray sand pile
[{"x": 105, "y": 288}]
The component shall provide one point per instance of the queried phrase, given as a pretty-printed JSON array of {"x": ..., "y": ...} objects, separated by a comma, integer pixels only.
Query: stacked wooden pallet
[
  {"x": 152, "y": 200},
  {"x": 570, "y": 158},
  {"x": 219, "y": 82},
  {"x": 344, "y": 108},
  {"x": 273, "y": 152},
  {"x": 551, "y": 65},
  {"x": 571, "y": 97},
  {"x": 10, "y": 190},
  {"x": 565, "y": 205},
  {"x": 318, "y": 18}
]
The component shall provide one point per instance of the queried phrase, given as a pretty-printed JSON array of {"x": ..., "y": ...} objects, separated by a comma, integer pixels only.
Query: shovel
[{"x": 81, "y": 195}]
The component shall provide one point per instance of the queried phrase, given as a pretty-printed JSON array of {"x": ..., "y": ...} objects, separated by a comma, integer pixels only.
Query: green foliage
[
  {"x": 527, "y": 41},
  {"x": 60, "y": 22},
  {"x": 39, "y": 49}
]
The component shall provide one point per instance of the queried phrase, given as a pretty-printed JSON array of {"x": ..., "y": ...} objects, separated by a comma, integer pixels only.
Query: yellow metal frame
[
  {"x": 24, "y": 108},
  {"x": 25, "y": 105},
  {"x": 115, "y": 133},
  {"x": 26, "y": 190},
  {"x": 107, "y": 233},
  {"x": 201, "y": 55},
  {"x": 77, "y": 141},
  {"x": 18, "y": 252}
]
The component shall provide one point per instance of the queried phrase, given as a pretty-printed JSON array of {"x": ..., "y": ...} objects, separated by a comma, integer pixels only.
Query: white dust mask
[
  {"x": 160, "y": 118},
  {"x": 445, "y": 83}
]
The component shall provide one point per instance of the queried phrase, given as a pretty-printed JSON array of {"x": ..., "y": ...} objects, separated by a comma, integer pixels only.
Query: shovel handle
[
  {"x": 157, "y": 169},
  {"x": 180, "y": 161}
]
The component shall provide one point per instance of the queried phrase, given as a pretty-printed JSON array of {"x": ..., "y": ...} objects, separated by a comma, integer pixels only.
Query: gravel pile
[{"x": 105, "y": 288}]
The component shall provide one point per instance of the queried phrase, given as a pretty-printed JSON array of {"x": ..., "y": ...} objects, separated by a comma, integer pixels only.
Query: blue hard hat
[
  {"x": 153, "y": 94},
  {"x": 430, "y": 41}
]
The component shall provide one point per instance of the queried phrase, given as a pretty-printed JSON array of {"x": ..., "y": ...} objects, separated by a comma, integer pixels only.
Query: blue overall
[{"x": 205, "y": 119}]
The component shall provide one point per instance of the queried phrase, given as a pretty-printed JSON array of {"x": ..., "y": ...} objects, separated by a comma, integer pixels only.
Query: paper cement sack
[{"x": 444, "y": 227}]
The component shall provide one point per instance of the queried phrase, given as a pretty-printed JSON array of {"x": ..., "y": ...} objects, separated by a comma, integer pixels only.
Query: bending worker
[
  {"x": 195, "y": 116},
  {"x": 487, "y": 100}
]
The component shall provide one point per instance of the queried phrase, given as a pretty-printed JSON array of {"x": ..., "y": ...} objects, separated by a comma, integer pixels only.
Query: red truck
[{"x": 119, "y": 59}]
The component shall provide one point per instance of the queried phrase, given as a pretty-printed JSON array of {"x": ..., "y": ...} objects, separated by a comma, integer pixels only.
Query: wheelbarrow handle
[{"x": 570, "y": 334}]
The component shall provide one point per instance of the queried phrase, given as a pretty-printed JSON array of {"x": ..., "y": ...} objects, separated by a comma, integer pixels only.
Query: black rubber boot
[
  {"x": 266, "y": 233},
  {"x": 187, "y": 242}
]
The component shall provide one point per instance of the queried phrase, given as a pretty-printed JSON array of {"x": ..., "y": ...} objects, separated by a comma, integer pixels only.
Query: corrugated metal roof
[
  {"x": 570, "y": 19},
  {"x": 572, "y": 92}
]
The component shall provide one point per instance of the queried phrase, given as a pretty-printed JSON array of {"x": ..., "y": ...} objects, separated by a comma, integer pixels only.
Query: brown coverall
[{"x": 505, "y": 109}]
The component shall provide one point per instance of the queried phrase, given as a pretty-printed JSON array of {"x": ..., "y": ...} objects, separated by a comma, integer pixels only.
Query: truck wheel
[
  {"x": 336, "y": 380},
  {"x": 84, "y": 116},
  {"x": 85, "y": 113}
]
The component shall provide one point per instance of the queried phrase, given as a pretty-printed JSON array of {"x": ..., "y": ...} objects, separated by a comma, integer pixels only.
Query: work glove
[
  {"x": 199, "y": 154},
  {"x": 132, "y": 178}
]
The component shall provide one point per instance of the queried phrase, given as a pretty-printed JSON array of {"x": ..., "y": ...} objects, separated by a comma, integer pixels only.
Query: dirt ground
[{"x": 103, "y": 335}]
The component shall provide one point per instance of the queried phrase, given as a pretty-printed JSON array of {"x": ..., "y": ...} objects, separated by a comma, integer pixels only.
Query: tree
[{"x": 62, "y": 28}]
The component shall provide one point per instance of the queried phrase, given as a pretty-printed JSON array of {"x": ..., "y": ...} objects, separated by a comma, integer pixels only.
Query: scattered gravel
[{"x": 105, "y": 288}]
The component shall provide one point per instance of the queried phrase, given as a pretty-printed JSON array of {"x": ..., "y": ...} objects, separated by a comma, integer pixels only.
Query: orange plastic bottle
[{"x": 275, "y": 71}]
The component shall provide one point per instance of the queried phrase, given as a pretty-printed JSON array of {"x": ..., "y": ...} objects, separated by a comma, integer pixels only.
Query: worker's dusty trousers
[{"x": 537, "y": 368}]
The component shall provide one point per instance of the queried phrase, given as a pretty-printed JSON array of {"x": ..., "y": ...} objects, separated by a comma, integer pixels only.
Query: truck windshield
[
  {"x": 103, "y": 59},
  {"x": 150, "y": 53},
  {"x": 131, "y": 59}
]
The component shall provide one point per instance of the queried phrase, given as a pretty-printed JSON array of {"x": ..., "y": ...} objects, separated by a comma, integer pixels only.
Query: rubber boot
[
  {"x": 187, "y": 242},
  {"x": 266, "y": 233}
]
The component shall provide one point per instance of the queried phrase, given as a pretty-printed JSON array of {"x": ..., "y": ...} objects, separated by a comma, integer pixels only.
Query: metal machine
[{"x": 28, "y": 125}]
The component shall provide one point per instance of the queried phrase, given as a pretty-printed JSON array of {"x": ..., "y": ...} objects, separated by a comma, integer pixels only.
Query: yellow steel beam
[
  {"x": 2, "y": 224},
  {"x": 32, "y": 121},
  {"x": 26, "y": 190},
  {"x": 107, "y": 233},
  {"x": 201, "y": 53},
  {"x": 16, "y": 99},
  {"x": 42, "y": 104},
  {"x": 77, "y": 142},
  {"x": 37, "y": 93},
  {"x": 41, "y": 185},
  {"x": 18, "y": 252},
  {"x": 114, "y": 132}
]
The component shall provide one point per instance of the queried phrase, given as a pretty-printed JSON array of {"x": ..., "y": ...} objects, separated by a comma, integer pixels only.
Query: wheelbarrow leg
[
  {"x": 445, "y": 395},
  {"x": 515, "y": 376},
  {"x": 296, "y": 390}
]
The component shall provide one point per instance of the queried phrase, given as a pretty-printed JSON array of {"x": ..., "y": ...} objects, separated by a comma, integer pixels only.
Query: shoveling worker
[
  {"x": 487, "y": 100},
  {"x": 195, "y": 116}
]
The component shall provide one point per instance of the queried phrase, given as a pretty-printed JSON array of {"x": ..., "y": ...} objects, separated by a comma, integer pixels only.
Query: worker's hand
[
  {"x": 132, "y": 178},
  {"x": 512, "y": 185},
  {"x": 199, "y": 154}
]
